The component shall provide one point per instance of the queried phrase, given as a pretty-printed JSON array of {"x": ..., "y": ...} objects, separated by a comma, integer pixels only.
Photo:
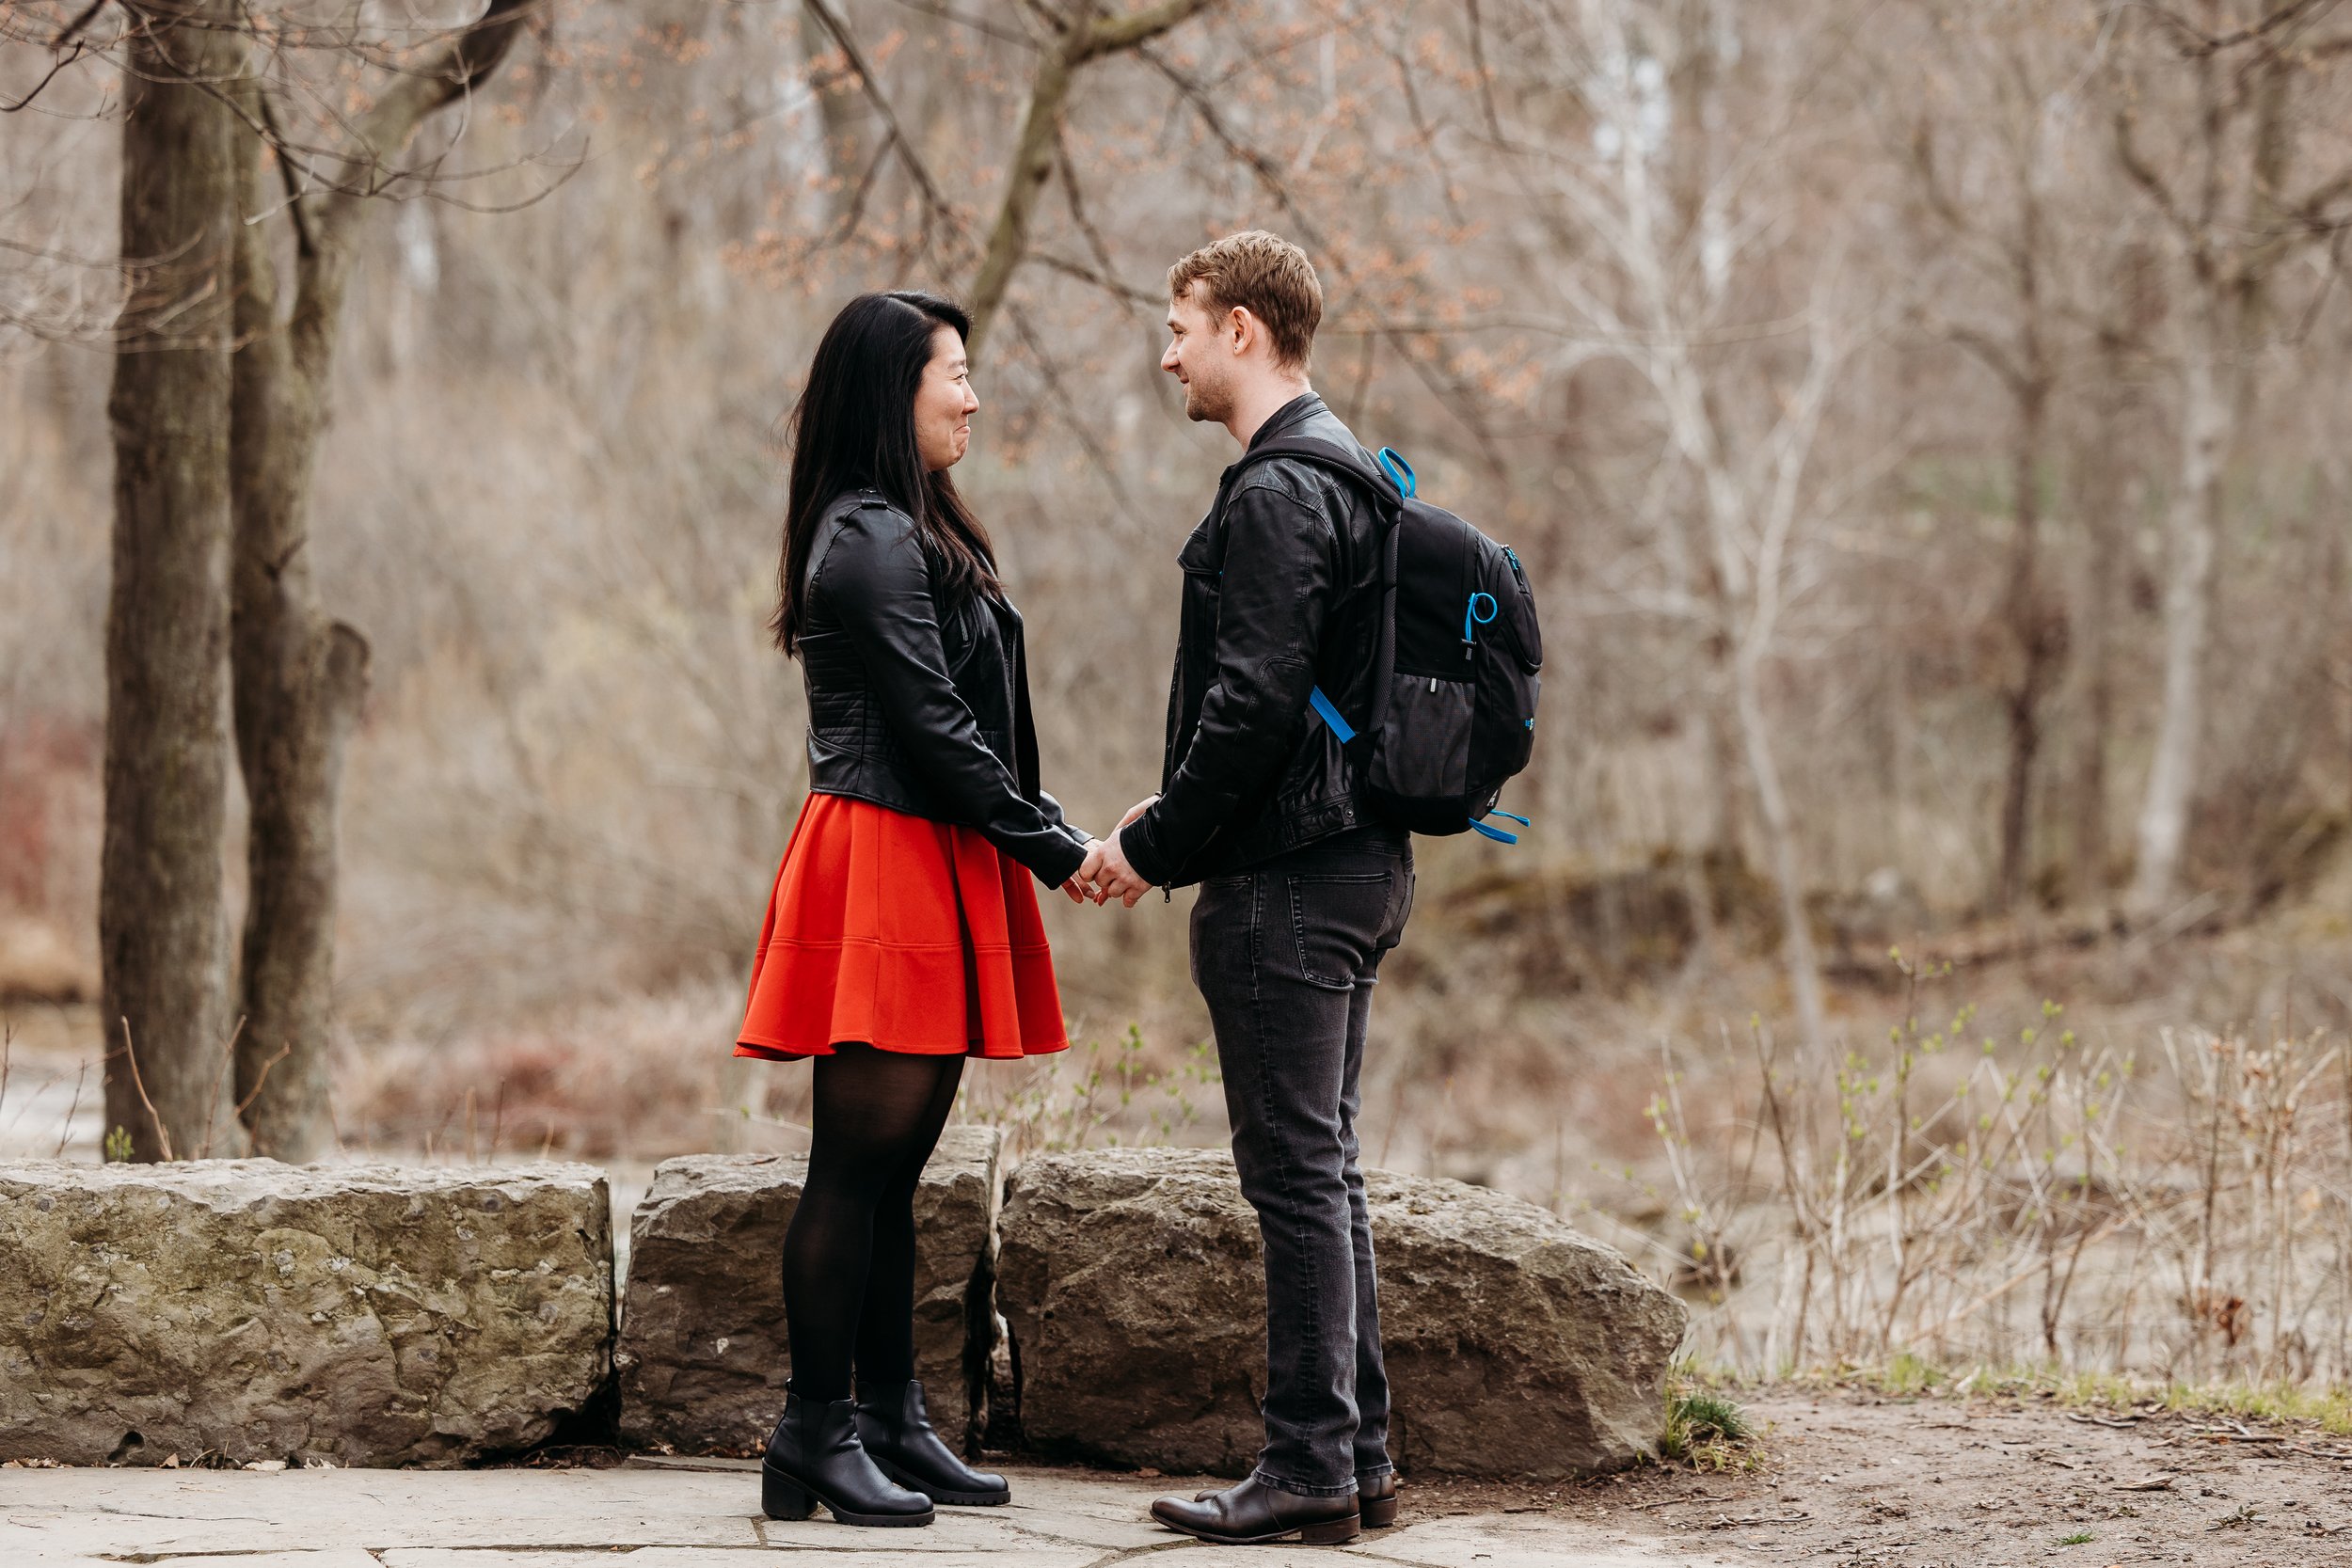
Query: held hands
[
  {"x": 1115, "y": 878},
  {"x": 1104, "y": 874},
  {"x": 1081, "y": 883}
]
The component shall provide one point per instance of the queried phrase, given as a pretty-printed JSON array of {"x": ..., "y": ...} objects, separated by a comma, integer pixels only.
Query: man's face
[{"x": 1200, "y": 357}]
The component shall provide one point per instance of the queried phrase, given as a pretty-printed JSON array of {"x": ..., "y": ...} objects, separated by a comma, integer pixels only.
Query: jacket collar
[{"x": 1305, "y": 406}]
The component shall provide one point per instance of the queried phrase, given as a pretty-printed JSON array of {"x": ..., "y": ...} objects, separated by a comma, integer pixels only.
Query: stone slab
[
  {"x": 1132, "y": 1284},
  {"x": 673, "y": 1518},
  {"x": 702, "y": 1355},
  {"x": 369, "y": 1314}
]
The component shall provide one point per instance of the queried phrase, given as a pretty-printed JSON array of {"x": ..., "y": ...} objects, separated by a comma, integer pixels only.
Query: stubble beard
[{"x": 1205, "y": 403}]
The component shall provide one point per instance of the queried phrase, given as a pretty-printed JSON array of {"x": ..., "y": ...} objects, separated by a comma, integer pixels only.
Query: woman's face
[{"x": 943, "y": 405}]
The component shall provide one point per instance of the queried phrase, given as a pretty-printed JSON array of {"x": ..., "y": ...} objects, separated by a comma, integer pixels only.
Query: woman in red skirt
[{"x": 903, "y": 934}]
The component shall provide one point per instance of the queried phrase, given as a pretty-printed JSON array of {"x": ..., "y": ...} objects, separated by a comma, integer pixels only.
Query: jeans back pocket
[{"x": 1336, "y": 918}]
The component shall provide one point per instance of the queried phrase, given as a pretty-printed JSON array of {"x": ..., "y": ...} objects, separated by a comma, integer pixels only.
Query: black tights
[{"x": 849, "y": 1257}]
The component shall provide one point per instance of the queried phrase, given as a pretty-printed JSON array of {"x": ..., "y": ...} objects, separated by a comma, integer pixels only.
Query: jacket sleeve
[
  {"x": 1272, "y": 602},
  {"x": 878, "y": 582}
]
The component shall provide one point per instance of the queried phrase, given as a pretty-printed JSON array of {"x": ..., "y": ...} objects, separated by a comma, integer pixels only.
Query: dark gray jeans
[{"x": 1285, "y": 955}]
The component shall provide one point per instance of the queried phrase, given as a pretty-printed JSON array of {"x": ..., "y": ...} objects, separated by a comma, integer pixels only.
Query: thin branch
[
  {"x": 163, "y": 1137},
  {"x": 1122, "y": 34},
  {"x": 944, "y": 13},
  {"x": 869, "y": 84},
  {"x": 68, "y": 33}
]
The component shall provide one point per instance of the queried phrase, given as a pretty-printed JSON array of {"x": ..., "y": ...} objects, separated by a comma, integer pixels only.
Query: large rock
[
  {"x": 1133, "y": 1283},
  {"x": 702, "y": 1357},
  {"x": 367, "y": 1314}
]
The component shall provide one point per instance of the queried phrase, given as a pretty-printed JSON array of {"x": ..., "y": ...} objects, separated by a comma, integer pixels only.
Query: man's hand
[
  {"x": 1115, "y": 879},
  {"x": 1081, "y": 883},
  {"x": 1138, "y": 809}
]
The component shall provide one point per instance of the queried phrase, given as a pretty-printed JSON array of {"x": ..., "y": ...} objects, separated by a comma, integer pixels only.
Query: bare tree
[
  {"x": 1079, "y": 37},
  {"x": 300, "y": 674},
  {"x": 162, "y": 936},
  {"x": 1657, "y": 295},
  {"x": 2232, "y": 219},
  {"x": 2008, "y": 237}
]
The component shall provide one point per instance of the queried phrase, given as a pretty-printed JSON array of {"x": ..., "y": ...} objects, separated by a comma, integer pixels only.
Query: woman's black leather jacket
[{"x": 916, "y": 706}]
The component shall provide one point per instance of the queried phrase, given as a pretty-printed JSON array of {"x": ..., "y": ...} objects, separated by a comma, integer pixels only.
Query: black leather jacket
[
  {"x": 1281, "y": 591},
  {"x": 918, "y": 706}
]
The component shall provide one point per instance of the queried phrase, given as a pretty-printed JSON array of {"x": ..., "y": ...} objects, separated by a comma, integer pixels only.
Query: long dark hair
[{"x": 854, "y": 427}]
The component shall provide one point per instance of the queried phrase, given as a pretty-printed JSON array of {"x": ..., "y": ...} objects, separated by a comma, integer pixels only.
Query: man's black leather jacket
[
  {"x": 916, "y": 706},
  {"x": 1282, "y": 593}
]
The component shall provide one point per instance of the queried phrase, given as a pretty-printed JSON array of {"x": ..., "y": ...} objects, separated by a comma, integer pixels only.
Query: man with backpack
[{"x": 1302, "y": 888}]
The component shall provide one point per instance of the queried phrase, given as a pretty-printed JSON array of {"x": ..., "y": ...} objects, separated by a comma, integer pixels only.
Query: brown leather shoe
[
  {"x": 1376, "y": 1499},
  {"x": 1252, "y": 1514}
]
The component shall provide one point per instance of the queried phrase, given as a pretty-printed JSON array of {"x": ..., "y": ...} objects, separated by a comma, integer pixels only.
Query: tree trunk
[
  {"x": 1780, "y": 836},
  {"x": 300, "y": 679},
  {"x": 2038, "y": 635},
  {"x": 1032, "y": 166},
  {"x": 162, "y": 934},
  {"x": 2192, "y": 524},
  {"x": 2105, "y": 535},
  {"x": 1086, "y": 35}
]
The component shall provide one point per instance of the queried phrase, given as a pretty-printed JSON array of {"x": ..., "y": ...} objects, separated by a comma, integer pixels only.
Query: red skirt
[{"x": 902, "y": 933}]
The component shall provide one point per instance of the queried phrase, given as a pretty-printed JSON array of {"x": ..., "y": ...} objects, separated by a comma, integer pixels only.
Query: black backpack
[{"x": 1458, "y": 657}]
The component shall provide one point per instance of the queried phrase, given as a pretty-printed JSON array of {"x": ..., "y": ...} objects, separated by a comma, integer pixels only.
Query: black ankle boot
[
  {"x": 1252, "y": 1513},
  {"x": 896, "y": 1432},
  {"x": 813, "y": 1457},
  {"x": 1376, "y": 1499}
]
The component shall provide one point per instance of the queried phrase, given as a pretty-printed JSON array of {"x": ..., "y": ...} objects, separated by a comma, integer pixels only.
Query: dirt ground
[{"x": 1860, "y": 1480}]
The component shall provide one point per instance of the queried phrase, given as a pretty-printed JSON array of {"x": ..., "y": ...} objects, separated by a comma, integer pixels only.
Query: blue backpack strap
[
  {"x": 1328, "y": 711},
  {"x": 1399, "y": 471},
  {"x": 1498, "y": 835}
]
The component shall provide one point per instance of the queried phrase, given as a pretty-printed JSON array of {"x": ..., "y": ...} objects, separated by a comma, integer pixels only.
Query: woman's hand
[{"x": 1081, "y": 883}]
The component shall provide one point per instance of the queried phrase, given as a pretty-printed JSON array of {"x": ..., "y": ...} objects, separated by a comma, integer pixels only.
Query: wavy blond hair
[{"x": 1264, "y": 275}]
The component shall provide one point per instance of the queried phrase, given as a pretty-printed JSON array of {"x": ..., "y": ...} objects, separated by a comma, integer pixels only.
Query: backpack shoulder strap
[
  {"x": 1388, "y": 494},
  {"x": 1383, "y": 486}
]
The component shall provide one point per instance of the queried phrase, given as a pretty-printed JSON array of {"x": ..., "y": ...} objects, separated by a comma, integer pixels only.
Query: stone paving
[{"x": 672, "y": 1515}]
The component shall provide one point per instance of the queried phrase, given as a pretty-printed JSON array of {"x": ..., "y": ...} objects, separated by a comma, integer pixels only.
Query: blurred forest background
[{"x": 1922, "y": 421}]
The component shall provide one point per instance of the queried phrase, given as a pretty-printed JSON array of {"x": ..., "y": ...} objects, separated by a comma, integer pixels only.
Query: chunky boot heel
[
  {"x": 813, "y": 1457},
  {"x": 782, "y": 1498},
  {"x": 896, "y": 1428},
  {"x": 1376, "y": 1499},
  {"x": 1336, "y": 1533}
]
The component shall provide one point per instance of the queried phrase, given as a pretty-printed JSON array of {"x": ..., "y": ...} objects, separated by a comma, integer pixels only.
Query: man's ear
[{"x": 1241, "y": 330}]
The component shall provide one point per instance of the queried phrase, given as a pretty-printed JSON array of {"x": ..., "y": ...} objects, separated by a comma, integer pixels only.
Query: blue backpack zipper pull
[{"x": 1471, "y": 621}]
